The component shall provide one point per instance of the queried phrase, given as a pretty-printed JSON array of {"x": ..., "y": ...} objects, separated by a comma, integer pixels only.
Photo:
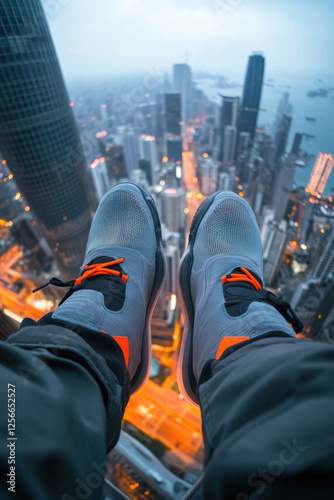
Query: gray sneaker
[
  {"x": 122, "y": 276},
  {"x": 221, "y": 288}
]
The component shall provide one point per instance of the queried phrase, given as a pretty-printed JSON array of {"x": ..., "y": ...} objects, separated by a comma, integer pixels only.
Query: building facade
[
  {"x": 252, "y": 94},
  {"x": 320, "y": 173},
  {"x": 38, "y": 135}
]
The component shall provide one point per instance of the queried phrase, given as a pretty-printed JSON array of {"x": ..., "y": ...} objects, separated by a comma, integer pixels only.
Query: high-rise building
[
  {"x": 320, "y": 173},
  {"x": 274, "y": 240},
  {"x": 148, "y": 112},
  {"x": 173, "y": 115},
  {"x": 296, "y": 144},
  {"x": 38, "y": 135},
  {"x": 115, "y": 161},
  {"x": 228, "y": 118},
  {"x": 208, "y": 174},
  {"x": 283, "y": 181},
  {"x": 170, "y": 178},
  {"x": 10, "y": 197},
  {"x": 174, "y": 151},
  {"x": 306, "y": 300},
  {"x": 128, "y": 139},
  {"x": 182, "y": 85},
  {"x": 146, "y": 170},
  {"x": 148, "y": 152},
  {"x": 252, "y": 94},
  {"x": 281, "y": 126},
  {"x": 230, "y": 145},
  {"x": 100, "y": 177},
  {"x": 258, "y": 199},
  {"x": 224, "y": 182},
  {"x": 173, "y": 259},
  {"x": 244, "y": 142},
  {"x": 282, "y": 186},
  {"x": 172, "y": 209},
  {"x": 159, "y": 123},
  {"x": 325, "y": 266}
]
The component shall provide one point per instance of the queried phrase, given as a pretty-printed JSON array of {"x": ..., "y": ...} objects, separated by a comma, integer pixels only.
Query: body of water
[{"x": 319, "y": 108}]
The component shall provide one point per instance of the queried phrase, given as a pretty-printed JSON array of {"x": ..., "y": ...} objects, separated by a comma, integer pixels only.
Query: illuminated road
[
  {"x": 193, "y": 197},
  {"x": 15, "y": 292},
  {"x": 164, "y": 415}
]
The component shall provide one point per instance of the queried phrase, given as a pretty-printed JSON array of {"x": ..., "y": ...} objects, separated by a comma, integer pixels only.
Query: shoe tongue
[{"x": 112, "y": 287}]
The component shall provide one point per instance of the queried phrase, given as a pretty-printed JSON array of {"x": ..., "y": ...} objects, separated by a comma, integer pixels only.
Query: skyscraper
[
  {"x": 283, "y": 181},
  {"x": 128, "y": 139},
  {"x": 281, "y": 126},
  {"x": 173, "y": 140},
  {"x": 325, "y": 266},
  {"x": 182, "y": 85},
  {"x": 174, "y": 151},
  {"x": 320, "y": 173},
  {"x": 173, "y": 114},
  {"x": 100, "y": 177},
  {"x": 252, "y": 94},
  {"x": 274, "y": 240},
  {"x": 38, "y": 136},
  {"x": 228, "y": 118},
  {"x": 208, "y": 173},
  {"x": 115, "y": 161},
  {"x": 230, "y": 144},
  {"x": 172, "y": 209},
  {"x": 148, "y": 152},
  {"x": 282, "y": 185}
]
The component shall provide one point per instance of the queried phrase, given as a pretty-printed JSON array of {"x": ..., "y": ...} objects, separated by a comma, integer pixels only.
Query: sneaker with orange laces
[
  {"x": 221, "y": 286},
  {"x": 122, "y": 276}
]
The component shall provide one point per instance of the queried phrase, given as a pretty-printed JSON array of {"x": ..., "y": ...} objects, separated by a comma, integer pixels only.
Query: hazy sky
[{"x": 124, "y": 36}]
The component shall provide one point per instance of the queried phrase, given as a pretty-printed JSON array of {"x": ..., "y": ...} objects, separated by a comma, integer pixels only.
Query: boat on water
[
  {"x": 309, "y": 136},
  {"x": 310, "y": 119}
]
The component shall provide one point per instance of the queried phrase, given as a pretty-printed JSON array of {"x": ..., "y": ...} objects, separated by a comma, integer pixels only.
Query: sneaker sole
[
  {"x": 185, "y": 376},
  {"x": 143, "y": 371}
]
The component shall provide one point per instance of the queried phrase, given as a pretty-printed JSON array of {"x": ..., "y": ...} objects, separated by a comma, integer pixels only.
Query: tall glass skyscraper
[
  {"x": 182, "y": 81},
  {"x": 228, "y": 118},
  {"x": 252, "y": 94},
  {"x": 38, "y": 135},
  {"x": 173, "y": 114}
]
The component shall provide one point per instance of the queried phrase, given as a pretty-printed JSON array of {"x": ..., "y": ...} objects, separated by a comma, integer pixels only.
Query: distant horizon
[
  {"x": 197, "y": 74},
  {"x": 215, "y": 36}
]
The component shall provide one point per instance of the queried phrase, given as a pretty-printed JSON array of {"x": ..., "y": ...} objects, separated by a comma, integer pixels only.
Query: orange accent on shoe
[
  {"x": 249, "y": 278},
  {"x": 123, "y": 342},
  {"x": 227, "y": 342},
  {"x": 302, "y": 336},
  {"x": 100, "y": 269}
]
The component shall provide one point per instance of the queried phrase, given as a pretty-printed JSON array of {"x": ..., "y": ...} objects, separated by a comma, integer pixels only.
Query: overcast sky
[{"x": 104, "y": 37}]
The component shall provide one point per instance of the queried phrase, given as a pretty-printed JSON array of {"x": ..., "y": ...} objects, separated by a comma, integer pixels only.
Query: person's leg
[
  {"x": 268, "y": 412},
  {"x": 241, "y": 363},
  {"x": 74, "y": 370},
  {"x": 62, "y": 404}
]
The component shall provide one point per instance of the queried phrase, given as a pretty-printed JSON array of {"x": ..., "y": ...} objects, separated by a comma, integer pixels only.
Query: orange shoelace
[
  {"x": 101, "y": 269},
  {"x": 248, "y": 277}
]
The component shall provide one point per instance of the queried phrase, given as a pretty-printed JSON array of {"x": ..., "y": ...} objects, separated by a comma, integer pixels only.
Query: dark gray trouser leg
[
  {"x": 69, "y": 405},
  {"x": 268, "y": 420}
]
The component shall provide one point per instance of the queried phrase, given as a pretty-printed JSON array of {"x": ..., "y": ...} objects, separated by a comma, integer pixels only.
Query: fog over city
[{"x": 104, "y": 37}]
